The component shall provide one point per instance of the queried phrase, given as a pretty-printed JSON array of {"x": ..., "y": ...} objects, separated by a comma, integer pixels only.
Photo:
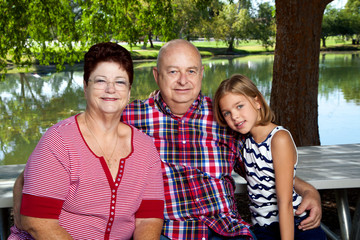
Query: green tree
[
  {"x": 264, "y": 25},
  {"x": 352, "y": 8},
  {"x": 232, "y": 23},
  {"x": 32, "y": 28},
  {"x": 328, "y": 26},
  {"x": 193, "y": 17},
  {"x": 59, "y": 31},
  {"x": 155, "y": 19}
]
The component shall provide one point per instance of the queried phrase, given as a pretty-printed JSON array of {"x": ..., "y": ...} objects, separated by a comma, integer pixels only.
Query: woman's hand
[
  {"x": 17, "y": 196},
  {"x": 44, "y": 228},
  {"x": 148, "y": 228}
]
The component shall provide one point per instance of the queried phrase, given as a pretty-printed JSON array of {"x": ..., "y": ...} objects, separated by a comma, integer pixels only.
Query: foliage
[
  {"x": 343, "y": 22},
  {"x": 352, "y": 8},
  {"x": 264, "y": 25},
  {"x": 59, "y": 31},
  {"x": 31, "y": 28},
  {"x": 194, "y": 17},
  {"x": 232, "y": 23}
]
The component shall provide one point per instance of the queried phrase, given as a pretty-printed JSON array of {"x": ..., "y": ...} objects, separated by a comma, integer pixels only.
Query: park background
[{"x": 53, "y": 36}]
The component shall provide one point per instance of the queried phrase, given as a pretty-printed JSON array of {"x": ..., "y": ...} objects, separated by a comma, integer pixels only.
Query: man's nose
[{"x": 182, "y": 79}]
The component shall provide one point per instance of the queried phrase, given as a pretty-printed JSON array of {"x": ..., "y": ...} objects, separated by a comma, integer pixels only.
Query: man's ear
[{"x": 156, "y": 75}]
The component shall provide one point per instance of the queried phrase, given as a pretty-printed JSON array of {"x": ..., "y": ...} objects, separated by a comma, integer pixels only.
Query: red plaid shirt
[{"x": 198, "y": 157}]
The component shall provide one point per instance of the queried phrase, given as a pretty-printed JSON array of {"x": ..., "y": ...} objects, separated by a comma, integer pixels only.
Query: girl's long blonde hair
[{"x": 242, "y": 85}]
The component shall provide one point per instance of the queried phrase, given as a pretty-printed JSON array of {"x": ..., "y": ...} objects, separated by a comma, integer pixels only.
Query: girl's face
[{"x": 240, "y": 113}]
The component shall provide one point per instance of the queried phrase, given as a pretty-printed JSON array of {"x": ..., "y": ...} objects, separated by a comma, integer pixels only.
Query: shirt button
[
  {"x": 184, "y": 142},
  {"x": 113, "y": 190},
  {"x": 116, "y": 184},
  {"x": 203, "y": 238},
  {"x": 109, "y": 229},
  {"x": 118, "y": 179}
]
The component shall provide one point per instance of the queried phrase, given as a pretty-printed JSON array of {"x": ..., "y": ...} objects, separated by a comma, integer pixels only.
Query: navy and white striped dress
[{"x": 260, "y": 176}]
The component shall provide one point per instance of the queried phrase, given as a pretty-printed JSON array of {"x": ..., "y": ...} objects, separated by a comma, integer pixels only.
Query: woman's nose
[{"x": 110, "y": 87}]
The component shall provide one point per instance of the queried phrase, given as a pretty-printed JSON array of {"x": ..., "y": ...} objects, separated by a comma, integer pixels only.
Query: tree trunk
[
  {"x": 231, "y": 45},
  {"x": 150, "y": 40},
  {"x": 296, "y": 68}
]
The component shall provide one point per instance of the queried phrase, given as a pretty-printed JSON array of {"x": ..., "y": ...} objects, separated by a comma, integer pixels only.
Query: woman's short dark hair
[{"x": 108, "y": 52}]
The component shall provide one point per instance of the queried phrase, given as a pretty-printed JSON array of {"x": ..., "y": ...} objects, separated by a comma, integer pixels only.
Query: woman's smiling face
[{"x": 108, "y": 89}]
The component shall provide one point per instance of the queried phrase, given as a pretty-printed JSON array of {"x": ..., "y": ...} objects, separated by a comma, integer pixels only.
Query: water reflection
[{"x": 32, "y": 102}]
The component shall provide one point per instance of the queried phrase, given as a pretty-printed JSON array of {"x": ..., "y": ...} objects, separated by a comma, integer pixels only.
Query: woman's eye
[
  {"x": 120, "y": 82},
  {"x": 99, "y": 81},
  {"x": 239, "y": 106}
]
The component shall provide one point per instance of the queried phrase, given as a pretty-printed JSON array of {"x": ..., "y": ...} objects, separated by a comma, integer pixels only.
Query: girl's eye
[
  {"x": 239, "y": 106},
  {"x": 225, "y": 114}
]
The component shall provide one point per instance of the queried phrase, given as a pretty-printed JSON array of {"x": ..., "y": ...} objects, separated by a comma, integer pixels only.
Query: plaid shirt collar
[{"x": 165, "y": 109}]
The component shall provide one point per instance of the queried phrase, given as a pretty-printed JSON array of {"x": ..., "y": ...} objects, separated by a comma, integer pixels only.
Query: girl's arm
[{"x": 284, "y": 157}]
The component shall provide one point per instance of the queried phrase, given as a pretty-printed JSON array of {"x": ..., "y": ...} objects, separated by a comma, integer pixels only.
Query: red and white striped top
[{"x": 65, "y": 180}]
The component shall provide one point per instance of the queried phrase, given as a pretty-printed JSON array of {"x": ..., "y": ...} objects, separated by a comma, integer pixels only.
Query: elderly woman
[{"x": 92, "y": 176}]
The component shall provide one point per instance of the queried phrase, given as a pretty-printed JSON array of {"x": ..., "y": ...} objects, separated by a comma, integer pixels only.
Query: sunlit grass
[{"x": 206, "y": 48}]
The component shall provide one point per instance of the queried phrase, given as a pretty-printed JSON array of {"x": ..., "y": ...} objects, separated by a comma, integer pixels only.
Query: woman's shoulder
[
  {"x": 139, "y": 135},
  {"x": 66, "y": 125}
]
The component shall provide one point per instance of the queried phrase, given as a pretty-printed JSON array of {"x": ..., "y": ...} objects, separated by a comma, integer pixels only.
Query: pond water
[{"x": 31, "y": 102}]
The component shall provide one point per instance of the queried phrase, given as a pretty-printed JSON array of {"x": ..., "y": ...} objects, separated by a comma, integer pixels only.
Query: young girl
[{"x": 270, "y": 159}]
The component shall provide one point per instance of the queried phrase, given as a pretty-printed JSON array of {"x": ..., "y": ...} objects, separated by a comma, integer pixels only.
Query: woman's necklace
[{"x": 106, "y": 158}]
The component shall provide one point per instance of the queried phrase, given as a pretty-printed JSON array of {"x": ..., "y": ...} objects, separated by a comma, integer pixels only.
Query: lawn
[{"x": 214, "y": 48}]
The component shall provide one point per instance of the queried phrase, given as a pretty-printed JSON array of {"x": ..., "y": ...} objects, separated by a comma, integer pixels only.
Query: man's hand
[{"x": 311, "y": 202}]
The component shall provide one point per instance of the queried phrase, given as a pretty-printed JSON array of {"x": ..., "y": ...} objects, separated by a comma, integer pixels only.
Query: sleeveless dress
[{"x": 260, "y": 176}]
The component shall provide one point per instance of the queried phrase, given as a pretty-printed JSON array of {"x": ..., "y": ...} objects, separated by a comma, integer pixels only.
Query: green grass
[{"x": 218, "y": 48}]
